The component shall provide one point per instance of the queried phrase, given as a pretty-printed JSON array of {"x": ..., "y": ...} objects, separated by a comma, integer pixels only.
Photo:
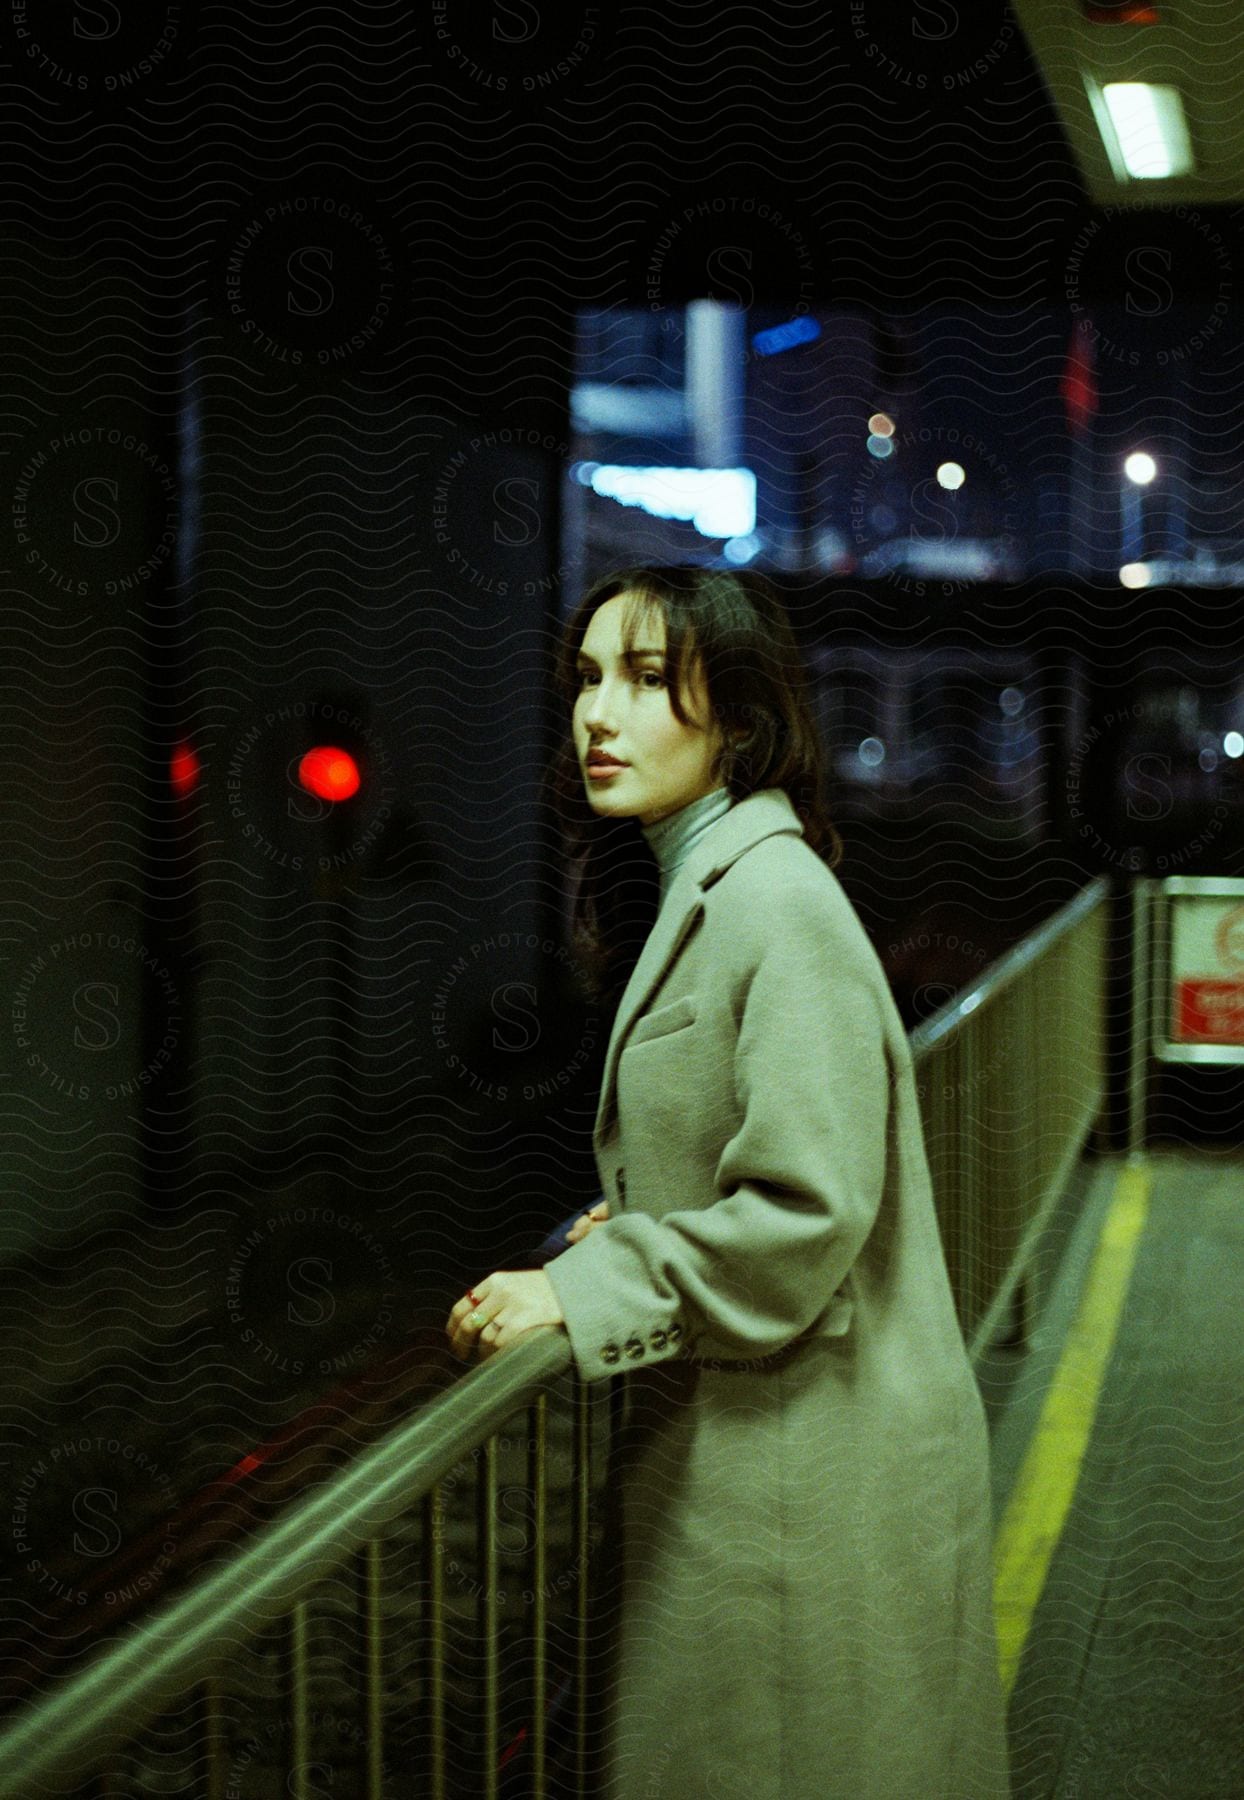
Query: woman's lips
[{"x": 599, "y": 771}]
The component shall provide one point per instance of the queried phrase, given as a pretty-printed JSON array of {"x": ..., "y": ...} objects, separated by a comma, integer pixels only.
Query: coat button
[
  {"x": 634, "y": 1348},
  {"x": 657, "y": 1339},
  {"x": 609, "y": 1353},
  {"x": 675, "y": 1333}
]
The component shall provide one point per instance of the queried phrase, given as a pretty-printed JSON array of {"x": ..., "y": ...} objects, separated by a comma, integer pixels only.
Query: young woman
[{"x": 804, "y": 1586}]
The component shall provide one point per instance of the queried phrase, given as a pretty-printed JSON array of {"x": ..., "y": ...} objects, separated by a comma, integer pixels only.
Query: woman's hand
[
  {"x": 587, "y": 1222},
  {"x": 507, "y": 1304}
]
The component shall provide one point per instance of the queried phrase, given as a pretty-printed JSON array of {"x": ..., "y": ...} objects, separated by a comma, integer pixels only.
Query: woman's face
[{"x": 623, "y": 709}]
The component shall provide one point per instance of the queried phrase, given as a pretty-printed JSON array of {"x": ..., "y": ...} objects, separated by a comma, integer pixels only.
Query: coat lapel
[{"x": 760, "y": 816}]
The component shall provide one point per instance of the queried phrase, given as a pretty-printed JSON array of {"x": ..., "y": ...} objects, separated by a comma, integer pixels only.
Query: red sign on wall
[
  {"x": 1209, "y": 1012},
  {"x": 1207, "y": 969}
]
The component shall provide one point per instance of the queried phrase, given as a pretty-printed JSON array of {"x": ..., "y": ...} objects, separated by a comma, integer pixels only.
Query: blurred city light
[
  {"x": 951, "y": 475},
  {"x": 1140, "y": 468},
  {"x": 1233, "y": 744},
  {"x": 183, "y": 770},
  {"x": 880, "y": 447},
  {"x": 872, "y": 752},
  {"x": 785, "y": 337},
  {"x": 881, "y": 425},
  {"x": 720, "y": 503},
  {"x": 742, "y": 549},
  {"x": 1135, "y": 575}
]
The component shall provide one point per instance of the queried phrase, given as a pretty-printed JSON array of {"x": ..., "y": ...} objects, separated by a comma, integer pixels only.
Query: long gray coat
[{"x": 803, "y": 1477}]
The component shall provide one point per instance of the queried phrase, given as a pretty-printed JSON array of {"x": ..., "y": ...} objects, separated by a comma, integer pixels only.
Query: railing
[
  {"x": 228, "y": 1511},
  {"x": 1010, "y": 1078},
  {"x": 180, "y": 1654}
]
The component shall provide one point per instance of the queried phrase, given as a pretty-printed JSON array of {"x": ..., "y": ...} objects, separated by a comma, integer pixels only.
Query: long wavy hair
[{"x": 731, "y": 626}]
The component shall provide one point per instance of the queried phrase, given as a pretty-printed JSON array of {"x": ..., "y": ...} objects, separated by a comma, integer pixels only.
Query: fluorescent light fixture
[
  {"x": 720, "y": 503},
  {"x": 1144, "y": 129}
]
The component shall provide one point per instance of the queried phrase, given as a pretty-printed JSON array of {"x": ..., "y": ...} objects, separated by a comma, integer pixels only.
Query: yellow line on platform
[{"x": 1037, "y": 1510}]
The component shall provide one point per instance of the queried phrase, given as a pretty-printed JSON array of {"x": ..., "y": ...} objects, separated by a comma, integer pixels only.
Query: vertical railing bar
[
  {"x": 538, "y": 1478},
  {"x": 989, "y": 1230},
  {"x": 487, "y": 1516},
  {"x": 1105, "y": 1074},
  {"x": 1021, "y": 1178},
  {"x": 213, "y": 1738},
  {"x": 1034, "y": 1030},
  {"x": 979, "y": 1228},
  {"x": 434, "y": 1522},
  {"x": 370, "y": 1575},
  {"x": 966, "y": 1148},
  {"x": 582, "y": 1499},
  {"x": 941, "y": 1070},
  {"x": 299, "y": 1721},
  {"x": 999, "y": 1186},
  {"x": 1138, "y": 1044}
]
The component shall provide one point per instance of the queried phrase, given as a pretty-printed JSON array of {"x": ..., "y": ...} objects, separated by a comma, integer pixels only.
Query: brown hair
[{"x": 733, "y": 626}]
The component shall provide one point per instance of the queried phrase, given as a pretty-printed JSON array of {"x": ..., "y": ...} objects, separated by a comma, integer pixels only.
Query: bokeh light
[
  {"x": 329, "y": 773},
  {"x": 1135, "y": 575}
]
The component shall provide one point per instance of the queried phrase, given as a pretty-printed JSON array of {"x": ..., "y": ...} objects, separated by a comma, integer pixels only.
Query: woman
[{"x": 802, "y": 1477}]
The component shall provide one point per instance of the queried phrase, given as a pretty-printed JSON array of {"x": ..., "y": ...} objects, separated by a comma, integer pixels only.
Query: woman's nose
[{"x": 598, "y": 704}]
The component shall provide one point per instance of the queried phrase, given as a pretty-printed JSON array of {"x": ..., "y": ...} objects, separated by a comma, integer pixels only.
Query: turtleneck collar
[{"x": 671, "y": 837}]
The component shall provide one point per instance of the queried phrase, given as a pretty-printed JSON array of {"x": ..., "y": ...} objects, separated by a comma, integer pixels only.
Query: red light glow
[
  {"x": 183, "y": 770},
  {"x": 1120, "y": 12},
  {"x": 329, "y": 773}
]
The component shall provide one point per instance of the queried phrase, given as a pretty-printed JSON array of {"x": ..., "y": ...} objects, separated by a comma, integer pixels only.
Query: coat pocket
[{"x": 674, "y": 1017}]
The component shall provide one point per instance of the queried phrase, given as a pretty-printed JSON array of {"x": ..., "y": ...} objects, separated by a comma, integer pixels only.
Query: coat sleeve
[{"x": 799, "y": 1182}]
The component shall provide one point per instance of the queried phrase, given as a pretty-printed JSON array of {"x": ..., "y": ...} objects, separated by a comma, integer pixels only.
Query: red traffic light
[
  {"x": 183, "y": 770},
  {"x": 329, "y": 773}
]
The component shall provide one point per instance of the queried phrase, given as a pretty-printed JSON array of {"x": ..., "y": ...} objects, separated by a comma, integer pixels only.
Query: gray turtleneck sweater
[{"x": 671, "y": 838}]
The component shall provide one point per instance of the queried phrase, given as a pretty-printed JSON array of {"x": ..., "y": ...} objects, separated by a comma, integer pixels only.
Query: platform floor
[{"x": 1130, "y": 1680}]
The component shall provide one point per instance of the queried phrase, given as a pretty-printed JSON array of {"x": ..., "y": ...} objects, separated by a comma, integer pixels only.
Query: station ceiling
[{"x": 1196, "y": 46}]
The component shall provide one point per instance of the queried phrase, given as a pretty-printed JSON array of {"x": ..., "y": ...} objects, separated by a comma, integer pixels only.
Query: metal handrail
[
  {"x": 1025, "y": 1048},
  {"x": 229, "y": 1507},
  {"x": 75, "y": 1729},
  {"x": 1007, "y": 968},
  {"x": 72, "y": 1730}
]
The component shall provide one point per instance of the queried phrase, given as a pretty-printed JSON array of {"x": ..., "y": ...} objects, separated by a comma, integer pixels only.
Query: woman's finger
[
  {"x": 462, "y": 1334},
  {"x": 489, "y": 1336},
  {"x": 585, "y": 1222}
]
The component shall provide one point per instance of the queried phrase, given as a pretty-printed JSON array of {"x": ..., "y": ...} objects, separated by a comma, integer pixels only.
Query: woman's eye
[{"x": 588, "y": 676}]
